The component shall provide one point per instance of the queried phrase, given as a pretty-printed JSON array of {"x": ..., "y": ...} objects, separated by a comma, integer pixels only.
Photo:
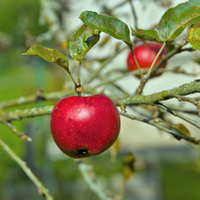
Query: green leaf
[
  {"x": 107, "y": 24},
  {"x": 150, "y": 35},
  {"x": 194, "y": 38},
  {"x": 175, "y": 19},
  {"x": 50, "y": 55},
  {"x": 82, "y": 41}
]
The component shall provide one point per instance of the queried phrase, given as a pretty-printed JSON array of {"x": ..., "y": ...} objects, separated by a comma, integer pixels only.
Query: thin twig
[
  {"x": 172, "y": 53},
  {"x": 26, "y": 113},
  {"x": 90, "y": 178},
  {"x": 178, "y": 114},
  {"x": 113, "y": 80},
  {"x": 163, "y": 125},
  {"x": 119, "y": 5},
  {"x": 146, "y": 77},
  {"x": 104, "y": 64},
  {"x": 185, "y": 89},
  {"x": 134, "y": 14},
  {"x": 41, "y": 189},
  {"x": 52, "y": 96},
  {"x": 193, "y": 101},
  {"x": 17, "y": 132},
  {"x": 176, "y": 70}
]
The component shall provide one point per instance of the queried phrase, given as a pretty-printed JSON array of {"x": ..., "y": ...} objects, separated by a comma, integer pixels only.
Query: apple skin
[
  {"x": 85, "y": 126},
  {"x": 145, "y": 55}
]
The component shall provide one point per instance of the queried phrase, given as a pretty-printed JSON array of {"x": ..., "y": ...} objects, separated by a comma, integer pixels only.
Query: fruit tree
[{"x": 85, "y": 114}]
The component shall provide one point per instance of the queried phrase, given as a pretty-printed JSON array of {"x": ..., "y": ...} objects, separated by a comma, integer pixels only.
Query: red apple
[
  {"x": 85, "y": 126},
  {"x": 145, "y": 54}
]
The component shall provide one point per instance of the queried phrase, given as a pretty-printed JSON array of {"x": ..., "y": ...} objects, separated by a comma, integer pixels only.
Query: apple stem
[
  {"x": 78, "y": 88},
  {"x": 154, "y": 61},
  {"x": 140, "y": 71},
  {"x": 79, "y": 73},
  {"x": 71, "y": 76}
]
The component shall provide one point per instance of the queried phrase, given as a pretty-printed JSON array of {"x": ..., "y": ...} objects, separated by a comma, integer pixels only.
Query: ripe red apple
[
  {"x": 85, "y": 126},
  {"x": 145, "y": 55}
]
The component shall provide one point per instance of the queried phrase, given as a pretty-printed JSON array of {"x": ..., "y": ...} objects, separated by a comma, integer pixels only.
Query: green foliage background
[{"x": 20, "y": 16}]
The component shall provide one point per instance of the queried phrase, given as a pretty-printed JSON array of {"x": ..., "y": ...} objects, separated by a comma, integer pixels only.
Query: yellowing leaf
[
  {"x": 65, "y": 44},
  {"x": 114, "y": 149},
  {"x": 194, "y": 38},
  {"x": 128, "y": 166},
  {"x": 182, "y": 129},
  {"x": 198, "y": 108}
]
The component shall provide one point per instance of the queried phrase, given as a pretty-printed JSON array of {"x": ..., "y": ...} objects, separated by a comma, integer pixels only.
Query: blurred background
[{"x": 165, "y": 169}]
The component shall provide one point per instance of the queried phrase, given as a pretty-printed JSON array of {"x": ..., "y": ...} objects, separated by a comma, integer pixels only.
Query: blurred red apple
[{"x": 145, "y": 54}]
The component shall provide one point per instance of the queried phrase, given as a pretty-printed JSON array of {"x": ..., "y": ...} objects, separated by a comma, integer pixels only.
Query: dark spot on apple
[
  {"x": 83, "y": 152},
  {"x": 68, "y": 133}
]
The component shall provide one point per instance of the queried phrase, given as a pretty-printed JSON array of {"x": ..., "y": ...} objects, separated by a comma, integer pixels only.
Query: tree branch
[
  {"x": 26, "y": 113},
  {"x": 35, "y": 98},
  {"x": 16, "y": 131},
  {"x": 185, "y": 89},
  {"x": 134, "y": 14}
]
